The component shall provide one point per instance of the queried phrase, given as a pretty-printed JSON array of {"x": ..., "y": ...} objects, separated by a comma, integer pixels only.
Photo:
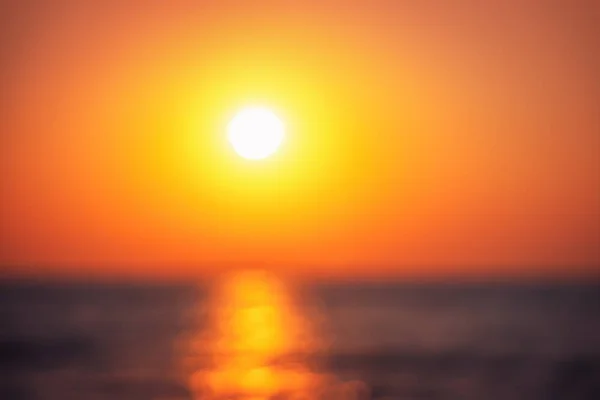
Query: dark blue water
[{"x": 393, "y": 341}]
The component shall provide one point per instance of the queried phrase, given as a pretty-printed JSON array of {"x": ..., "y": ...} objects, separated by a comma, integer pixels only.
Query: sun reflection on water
[{"x": 257, "y": 343}]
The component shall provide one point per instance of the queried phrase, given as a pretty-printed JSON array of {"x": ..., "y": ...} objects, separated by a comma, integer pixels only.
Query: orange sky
[{"x": 438, "y": 138}]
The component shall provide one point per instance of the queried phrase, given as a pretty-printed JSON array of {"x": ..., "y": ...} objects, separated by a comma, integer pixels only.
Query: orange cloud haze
[{"x": 458, "y": 139}]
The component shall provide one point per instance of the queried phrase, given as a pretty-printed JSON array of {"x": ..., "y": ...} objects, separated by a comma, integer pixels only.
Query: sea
[{"x": 392, "y": 340}]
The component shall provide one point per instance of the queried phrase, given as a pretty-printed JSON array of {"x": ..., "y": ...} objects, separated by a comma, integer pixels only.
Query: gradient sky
[{"x": 426, "y": 138}]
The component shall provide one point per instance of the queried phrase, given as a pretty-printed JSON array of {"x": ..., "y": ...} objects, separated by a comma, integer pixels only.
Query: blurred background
[
  {"x": 379, "y": 341},
  {"x": 430, "y": 228}
]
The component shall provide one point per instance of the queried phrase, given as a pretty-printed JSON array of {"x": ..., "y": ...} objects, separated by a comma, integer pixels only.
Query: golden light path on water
[{"x": 257, "y": 346}]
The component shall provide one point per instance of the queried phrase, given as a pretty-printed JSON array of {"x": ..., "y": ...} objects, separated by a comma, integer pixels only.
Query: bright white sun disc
[{"x": 255, "y": 133}]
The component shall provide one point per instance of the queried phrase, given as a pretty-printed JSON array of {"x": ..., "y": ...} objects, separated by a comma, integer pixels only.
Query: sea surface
[{"x": 383, "y": 341}]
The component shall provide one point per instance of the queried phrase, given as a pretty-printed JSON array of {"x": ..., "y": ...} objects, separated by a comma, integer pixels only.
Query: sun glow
[{"x": 255, "y": 133}]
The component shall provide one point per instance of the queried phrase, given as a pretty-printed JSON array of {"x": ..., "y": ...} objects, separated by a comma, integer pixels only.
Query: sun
[{"x": 255, "y": 133}]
